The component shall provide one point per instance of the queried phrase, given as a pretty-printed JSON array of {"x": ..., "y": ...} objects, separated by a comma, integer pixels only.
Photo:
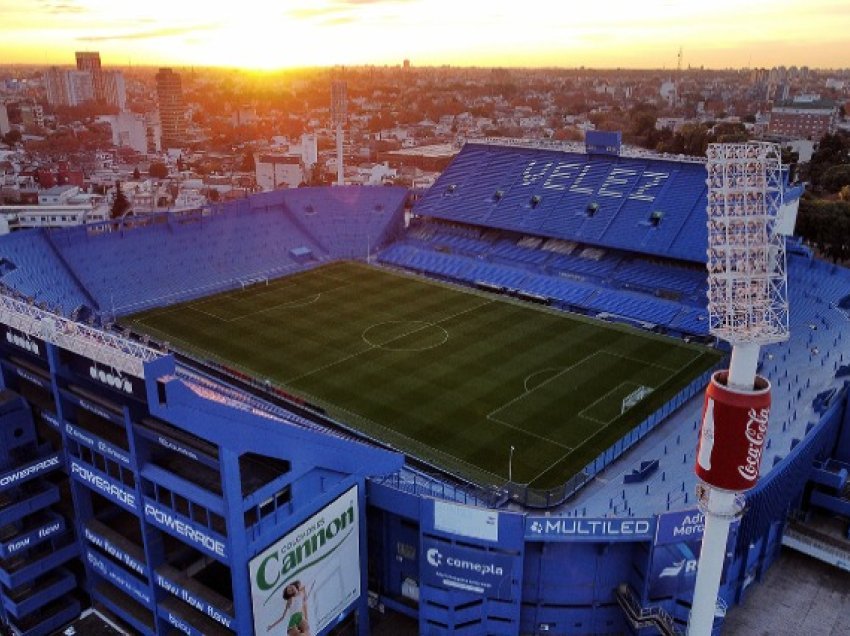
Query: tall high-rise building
[
  {"x": 4, "y": 120},
  {"x": 169, "y": 91},
  {"x": 56, "y": 85},
  {"x": 79, "y": 87},
  {"x": 115, "y": 90},
  {"x": 68, "y": 87},
  {"x": 89, "y": 61}
]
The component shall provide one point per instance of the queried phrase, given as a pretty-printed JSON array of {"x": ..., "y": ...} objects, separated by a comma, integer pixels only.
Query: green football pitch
[{"x": 451, "y": 375}]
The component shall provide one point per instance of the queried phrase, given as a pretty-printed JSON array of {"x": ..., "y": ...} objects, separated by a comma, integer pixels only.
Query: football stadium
[{"x": 473, "y": 409}]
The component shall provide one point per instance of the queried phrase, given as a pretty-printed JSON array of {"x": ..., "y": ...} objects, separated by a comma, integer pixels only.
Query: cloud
[
  {"x": 339, "y": 11},
  {"x": 68, "y": 6},
  {"x": 148, "y": 34}
]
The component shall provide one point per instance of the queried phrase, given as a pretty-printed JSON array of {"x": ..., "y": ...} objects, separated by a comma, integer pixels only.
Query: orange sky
[{"x": 289, "y": 33}]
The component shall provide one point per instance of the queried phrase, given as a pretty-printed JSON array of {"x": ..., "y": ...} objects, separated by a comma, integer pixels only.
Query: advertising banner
[
  {"x": 549, "y": 528},
  {"x": 674, "y": 568},
  {"x": 466, "y": 521},
  {"x": 468, "y": 569},
  {"x": 23, "y": 341},
  {"x": 305, "y": 580},
  {"x": 733, "y": 433},
  {"x": 685, "y": 525},
  {"x": 675, "y": 555}
]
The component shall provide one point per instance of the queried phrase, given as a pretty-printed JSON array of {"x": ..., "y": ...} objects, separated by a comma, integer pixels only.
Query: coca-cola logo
[{"x": 756, "y": 432}]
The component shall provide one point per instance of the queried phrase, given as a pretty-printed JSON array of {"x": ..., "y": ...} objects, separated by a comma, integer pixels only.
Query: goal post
[
  {"x": 634, "y": 397},
  {"x": 257, "y": 280}
]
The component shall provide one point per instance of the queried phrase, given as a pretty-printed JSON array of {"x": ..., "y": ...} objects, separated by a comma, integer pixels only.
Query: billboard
[
  {"x": 303, "y": 581},
  {"x": 675, "y": 527},
  {"x": 466, "y": 521},
  {"x": 733, "y": 433},
  {"x": 466, "y": 568},
  {"x": 552, "y": 528}
]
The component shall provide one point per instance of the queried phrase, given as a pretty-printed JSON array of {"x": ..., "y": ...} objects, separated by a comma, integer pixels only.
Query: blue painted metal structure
[{"x": 151, "y": 505}]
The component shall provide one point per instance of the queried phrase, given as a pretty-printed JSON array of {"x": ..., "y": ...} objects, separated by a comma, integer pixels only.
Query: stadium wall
[{"x": 161, "y": 502}]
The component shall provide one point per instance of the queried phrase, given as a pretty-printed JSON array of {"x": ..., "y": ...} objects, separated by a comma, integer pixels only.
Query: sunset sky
[{"x": 290, "y": 33}]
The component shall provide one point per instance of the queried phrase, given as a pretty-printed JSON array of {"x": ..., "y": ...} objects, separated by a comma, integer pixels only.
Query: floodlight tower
[
  {"x": 747, "y": 307},
  {"x": 339, "y": 103}
]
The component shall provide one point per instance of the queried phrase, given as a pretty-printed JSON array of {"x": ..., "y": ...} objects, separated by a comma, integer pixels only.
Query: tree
[
  {"x": 12, "y": 137},
  {"x": 836, "y": 177},
  {"x": 247, "y": 163},
  {"x": 136, "y": 174},
  {"x": 158, "y": 170},
  {"x": 120, "y": 205}
]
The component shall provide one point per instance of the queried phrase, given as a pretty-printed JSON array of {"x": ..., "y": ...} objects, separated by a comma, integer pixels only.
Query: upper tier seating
[{"x": 647, "y": 205}]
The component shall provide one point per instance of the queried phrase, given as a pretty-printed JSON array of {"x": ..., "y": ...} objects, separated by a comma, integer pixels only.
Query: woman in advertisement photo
[{"x": 294, "y": 611}]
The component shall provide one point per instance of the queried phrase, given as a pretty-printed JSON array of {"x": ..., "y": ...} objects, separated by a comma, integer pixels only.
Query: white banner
[{"x": 305, "y": 580}]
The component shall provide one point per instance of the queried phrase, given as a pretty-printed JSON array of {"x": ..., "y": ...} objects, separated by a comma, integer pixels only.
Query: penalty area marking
[
  {"x": 583, "y": 412},
  {"x": 535, "y": 374}
]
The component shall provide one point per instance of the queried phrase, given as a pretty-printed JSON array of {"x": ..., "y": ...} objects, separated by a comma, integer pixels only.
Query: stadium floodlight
[{"x": 748, "y": 307}]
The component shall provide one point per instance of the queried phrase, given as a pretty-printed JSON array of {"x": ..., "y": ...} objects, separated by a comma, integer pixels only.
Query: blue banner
[
  {"x": 478, "y": 571},
  {"x": 33, "y": 469},
  {"x": 545, "y": 528},
  {"x": 205, "y": 539},
  {"x": 115, "y": 552},
  {"x": 674, "y": 568},
  {"x": 685, "y": 525},
  {"x": 198, "y": 603},
  {"x": 97, "y": 444},
  {"x": 111, "y": 489},
  {"x": 179, "y": 623},
  {"x": 33, "y": 537},
  {"x": 119, "y": 578}
]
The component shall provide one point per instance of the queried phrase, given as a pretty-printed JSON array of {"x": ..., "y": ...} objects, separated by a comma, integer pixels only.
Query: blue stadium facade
[{"x": 175, "y": 495}]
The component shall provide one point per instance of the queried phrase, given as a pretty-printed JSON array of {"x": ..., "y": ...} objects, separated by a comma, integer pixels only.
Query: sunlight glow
[{"x": 268, "y": 34}]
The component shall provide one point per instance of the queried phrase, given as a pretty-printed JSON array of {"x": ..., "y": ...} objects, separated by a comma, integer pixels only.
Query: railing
[
  {"x": 641, "y": 617},
  {"x": 117, "y": 352},
  {"x": 817, "y": 545},
  {"x": 579, "y": 147}
]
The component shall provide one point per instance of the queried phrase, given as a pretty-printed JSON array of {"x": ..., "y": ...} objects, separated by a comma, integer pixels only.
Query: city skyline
[{"x": 268, "y": 36}]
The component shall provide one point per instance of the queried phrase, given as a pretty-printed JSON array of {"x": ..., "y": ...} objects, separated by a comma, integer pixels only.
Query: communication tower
[
  {"x": 339, "y": 106},
  {"x": 747, "y": 307}
]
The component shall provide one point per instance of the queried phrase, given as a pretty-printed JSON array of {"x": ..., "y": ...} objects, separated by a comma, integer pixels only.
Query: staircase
[{"x": 643, "y": 617}]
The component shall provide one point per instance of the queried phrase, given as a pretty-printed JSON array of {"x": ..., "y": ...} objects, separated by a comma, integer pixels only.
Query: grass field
[{"x": 448, "y": 374}]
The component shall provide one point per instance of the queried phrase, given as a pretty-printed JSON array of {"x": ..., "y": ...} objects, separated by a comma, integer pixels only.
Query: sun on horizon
[{"x": 263, "y": 35}]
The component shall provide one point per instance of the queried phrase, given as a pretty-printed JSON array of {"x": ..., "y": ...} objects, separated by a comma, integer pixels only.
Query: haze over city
[{"x": 258, "y": 34}]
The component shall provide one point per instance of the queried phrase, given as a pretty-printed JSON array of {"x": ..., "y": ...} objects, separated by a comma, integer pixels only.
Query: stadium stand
[
  {"x": 608, "y": 201},
  {"x": 133, "y": 264},
  {"x": 34, "y": 269}
]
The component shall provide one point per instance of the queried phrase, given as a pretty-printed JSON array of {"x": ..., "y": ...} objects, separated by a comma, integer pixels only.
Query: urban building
[
  {"x": 89, "y": 62},
  {"x": 4, "y": 120},
  {"x": 58, "y": 206},
  {"x": 803, "y": 119},
  {"x": 114, "y": 89},
  {"x": 172, "y": 115},
  {"x": 131, "y": 130},
  {"x": 56, "y": 86},
  {"x": 278, "y": 171}
]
